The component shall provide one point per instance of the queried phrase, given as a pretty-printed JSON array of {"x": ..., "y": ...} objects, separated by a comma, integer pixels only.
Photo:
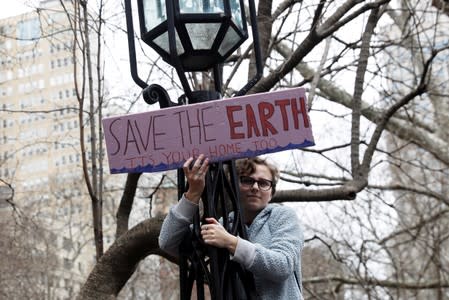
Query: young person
[{"x": 272, "y": 252}]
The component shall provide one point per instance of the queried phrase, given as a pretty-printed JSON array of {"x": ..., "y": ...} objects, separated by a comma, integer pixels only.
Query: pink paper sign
[{"x": 221, "y": 129}]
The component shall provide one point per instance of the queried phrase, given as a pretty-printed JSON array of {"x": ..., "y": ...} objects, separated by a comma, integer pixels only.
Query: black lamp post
[{"x": 199, "y": 35}]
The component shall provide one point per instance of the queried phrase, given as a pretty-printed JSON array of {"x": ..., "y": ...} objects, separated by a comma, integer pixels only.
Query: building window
[
  {"x": 67, "y": 264},
  {"x": 67, "y": 243},
  {"x": 28, "y": 31}
]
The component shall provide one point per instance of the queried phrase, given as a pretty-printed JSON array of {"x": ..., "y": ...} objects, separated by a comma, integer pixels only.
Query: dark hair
[{"x": 247, "y": 166}]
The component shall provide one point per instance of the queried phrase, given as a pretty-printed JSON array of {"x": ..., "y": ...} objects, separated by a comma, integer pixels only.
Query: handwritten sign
[{"x": 221, "y": 129}]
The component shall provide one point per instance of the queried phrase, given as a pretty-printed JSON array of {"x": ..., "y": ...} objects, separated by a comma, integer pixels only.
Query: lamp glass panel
[
  {"x": 202, "y": 35},
  {"x": 154, "y": 12},
  {"x": 162, "y": 41},
  {"x": 201, "y": 6},
  {"x": 230, "y": 40},
  {"x": 236, "y": 12}
]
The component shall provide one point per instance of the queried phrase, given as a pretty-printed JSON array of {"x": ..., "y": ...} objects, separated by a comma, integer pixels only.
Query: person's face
[{"x": 252, "y": 197}]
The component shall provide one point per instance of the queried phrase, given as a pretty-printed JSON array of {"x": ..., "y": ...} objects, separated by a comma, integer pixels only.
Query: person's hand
[
  {"x": 214, "y": 234},
  {"x": 195, "y": 175}
]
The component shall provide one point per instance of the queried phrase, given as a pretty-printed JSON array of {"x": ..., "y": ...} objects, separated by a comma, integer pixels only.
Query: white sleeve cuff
[
  {"x": 245, "y": 252},
  {"x": 185, "y": 209}
]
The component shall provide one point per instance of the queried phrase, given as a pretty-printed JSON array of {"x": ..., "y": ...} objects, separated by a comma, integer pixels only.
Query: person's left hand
[
  {"x": 214, "y": 234},
  {"x": 195, "y": 174}
]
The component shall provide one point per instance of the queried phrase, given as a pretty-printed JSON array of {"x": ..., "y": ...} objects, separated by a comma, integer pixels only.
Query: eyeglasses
[{"x": 263, "y": 184}]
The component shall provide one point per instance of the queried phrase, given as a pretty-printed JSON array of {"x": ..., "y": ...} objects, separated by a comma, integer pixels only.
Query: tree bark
[
  {"x": 126, "y": 203},
  {"x": 117, "y": 265}
]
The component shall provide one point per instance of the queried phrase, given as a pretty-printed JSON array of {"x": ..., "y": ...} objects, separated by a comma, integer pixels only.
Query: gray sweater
[{"x": 272, "y": 252}]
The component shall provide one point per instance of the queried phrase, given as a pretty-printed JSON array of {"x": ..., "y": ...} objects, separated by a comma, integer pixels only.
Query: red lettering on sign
[
  {"x": 302, "y": 110},
  {"x": 264, "y": 122},
  {"x": 251, "y": 122},
  {"x": 282, "y": 105},
  {"x": 233, "y": 124},
  {"x": 266, "y": 110}
]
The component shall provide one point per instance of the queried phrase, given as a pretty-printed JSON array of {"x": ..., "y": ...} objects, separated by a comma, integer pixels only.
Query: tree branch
[
  {"x": 347, "y": 191},
  {"x": 399, "y": 127},
  {"x": 126, "y": 203},
  {"x": 378, "y": 283},
  {"x": 357, "y": 172},
  {"x": 117, "y": 264}
]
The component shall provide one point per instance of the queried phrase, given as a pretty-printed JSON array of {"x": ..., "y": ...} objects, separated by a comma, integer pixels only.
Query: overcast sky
[{"x": 15, "y": 7}]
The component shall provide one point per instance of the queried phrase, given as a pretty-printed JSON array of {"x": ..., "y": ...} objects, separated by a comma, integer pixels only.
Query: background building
[{"x": 40, "y": 154}]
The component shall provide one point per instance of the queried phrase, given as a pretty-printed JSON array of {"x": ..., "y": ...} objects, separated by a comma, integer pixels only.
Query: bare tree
[{"x": 27, "y": 257}]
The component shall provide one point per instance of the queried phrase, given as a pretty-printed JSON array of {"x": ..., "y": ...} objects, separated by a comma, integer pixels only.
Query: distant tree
[{"x": 27, "y": 257}]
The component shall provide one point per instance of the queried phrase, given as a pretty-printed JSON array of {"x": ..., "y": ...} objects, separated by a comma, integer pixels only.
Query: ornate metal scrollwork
[{"x": 156, "y": 93}]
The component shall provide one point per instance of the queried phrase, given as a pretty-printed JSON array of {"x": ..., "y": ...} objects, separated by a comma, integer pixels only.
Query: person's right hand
[{"x": 195, "y": 175}]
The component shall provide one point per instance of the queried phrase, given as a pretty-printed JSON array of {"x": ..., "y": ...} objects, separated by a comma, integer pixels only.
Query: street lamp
[
  {"x": 205, "y": 32},
  {"x": 192, "y": 36}
]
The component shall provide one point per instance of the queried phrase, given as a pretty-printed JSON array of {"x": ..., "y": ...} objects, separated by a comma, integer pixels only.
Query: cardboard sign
[{"x": 221, "y": 129}]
